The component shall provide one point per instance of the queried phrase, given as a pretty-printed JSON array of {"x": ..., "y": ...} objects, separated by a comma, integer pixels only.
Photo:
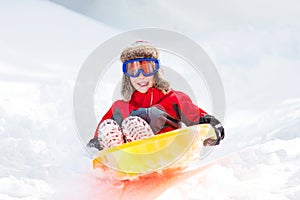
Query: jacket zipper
[{"x": 151, "y": 100}]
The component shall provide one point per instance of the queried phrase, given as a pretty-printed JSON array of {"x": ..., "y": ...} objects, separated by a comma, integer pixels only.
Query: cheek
[
  {"x": 151, "y": 79},
  {"x": 133, "y": 83},
  {"x": 132, "y": 80}
]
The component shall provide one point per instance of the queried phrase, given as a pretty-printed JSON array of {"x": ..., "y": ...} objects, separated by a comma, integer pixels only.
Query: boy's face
[{"x": 142, "y": 83}]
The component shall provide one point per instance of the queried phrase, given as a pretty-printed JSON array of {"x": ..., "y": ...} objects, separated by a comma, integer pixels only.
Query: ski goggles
[{"x": 146, "y": 66}]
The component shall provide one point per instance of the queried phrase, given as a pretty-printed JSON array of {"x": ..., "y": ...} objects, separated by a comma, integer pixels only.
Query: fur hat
[{"x": 141, "y": 49}]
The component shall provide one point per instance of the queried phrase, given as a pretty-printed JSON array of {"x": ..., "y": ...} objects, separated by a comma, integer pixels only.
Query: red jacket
[{"x": 175, "y": 103}]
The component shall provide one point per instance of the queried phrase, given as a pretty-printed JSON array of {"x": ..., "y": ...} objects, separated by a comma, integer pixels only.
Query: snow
[
  {"x": 267, "y": 171},
  {"x": 42, "y": 47}
]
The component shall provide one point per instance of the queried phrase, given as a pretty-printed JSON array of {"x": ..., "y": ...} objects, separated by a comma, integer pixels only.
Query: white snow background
[{"x": 43, "y": 45}]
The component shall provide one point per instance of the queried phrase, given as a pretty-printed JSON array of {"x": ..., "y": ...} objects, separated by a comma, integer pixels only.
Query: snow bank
[
  {"x": 40, "y": 55},
  {"x": 267, "y": 171},
  {"x": 43, "y": 158}
]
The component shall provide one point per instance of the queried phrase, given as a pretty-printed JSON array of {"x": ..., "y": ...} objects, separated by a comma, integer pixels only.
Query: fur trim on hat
[
  {"x": 139, "y": 49},
  {"x": 127, "y": 89}
]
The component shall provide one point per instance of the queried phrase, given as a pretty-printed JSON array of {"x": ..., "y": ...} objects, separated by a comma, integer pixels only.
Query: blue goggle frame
[{"x": 141, "y": 70}]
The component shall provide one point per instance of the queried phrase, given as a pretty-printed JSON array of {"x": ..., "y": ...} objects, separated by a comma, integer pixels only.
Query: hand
[
  {"x": 156, "y": 118},
  {"x": 94, "y": 143},
  {"x": 219, "y": 130}
]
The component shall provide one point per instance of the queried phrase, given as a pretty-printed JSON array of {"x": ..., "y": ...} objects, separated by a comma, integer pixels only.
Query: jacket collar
[{"x": 145, "y": 100}]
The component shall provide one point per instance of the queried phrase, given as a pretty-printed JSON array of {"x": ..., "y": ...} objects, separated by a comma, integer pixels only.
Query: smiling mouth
[{"x": 143, "y": 84}]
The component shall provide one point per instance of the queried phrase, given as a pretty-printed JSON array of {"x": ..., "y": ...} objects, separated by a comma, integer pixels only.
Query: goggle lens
[{"x": 146, "y": 66}]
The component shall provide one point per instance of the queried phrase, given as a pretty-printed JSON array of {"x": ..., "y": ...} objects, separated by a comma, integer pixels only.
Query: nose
[{"x": 141, "y": 75}]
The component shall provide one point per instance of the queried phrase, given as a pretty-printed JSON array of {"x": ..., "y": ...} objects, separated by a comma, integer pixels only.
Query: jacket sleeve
[
  {"x": 108, "y": 115},
  {"x": 187, "y": 111}
]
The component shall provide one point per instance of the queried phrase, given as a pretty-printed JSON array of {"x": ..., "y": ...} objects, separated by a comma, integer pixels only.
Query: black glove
[
  {"x": 219, "y": 130},
  {"x": 156, "y": 118},
  {"x": 94, "y": 143}
]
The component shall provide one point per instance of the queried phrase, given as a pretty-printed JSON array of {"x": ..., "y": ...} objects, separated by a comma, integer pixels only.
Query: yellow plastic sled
[{"x": 172, "y": 150}]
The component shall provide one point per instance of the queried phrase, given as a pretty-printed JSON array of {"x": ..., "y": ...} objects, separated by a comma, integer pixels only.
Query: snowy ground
[{"x": 42, "y": 46}]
